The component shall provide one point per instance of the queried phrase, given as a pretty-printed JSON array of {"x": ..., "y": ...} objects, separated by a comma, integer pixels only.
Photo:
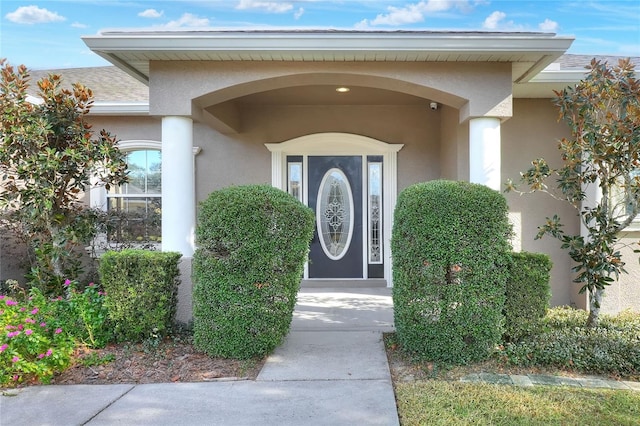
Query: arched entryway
[{"x": 350, "y": 181}]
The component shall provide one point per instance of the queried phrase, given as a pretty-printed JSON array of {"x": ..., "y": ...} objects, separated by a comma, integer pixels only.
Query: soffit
[{"x": 132, "y": 51}]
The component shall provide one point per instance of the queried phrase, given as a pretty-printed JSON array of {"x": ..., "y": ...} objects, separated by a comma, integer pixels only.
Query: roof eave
[{"x": 322, "y": 46}]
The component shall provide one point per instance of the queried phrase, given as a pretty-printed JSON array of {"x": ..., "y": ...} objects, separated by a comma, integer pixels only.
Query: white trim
[
  {"x": 119, "y": 108},
  {"x": 343, "y": 144}
]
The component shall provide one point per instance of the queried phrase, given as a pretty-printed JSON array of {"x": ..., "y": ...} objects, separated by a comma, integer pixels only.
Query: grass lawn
[{"x": 439, "y": 402}]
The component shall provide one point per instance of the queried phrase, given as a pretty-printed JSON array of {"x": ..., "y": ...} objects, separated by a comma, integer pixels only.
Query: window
[{"x": 135, "y": 208}]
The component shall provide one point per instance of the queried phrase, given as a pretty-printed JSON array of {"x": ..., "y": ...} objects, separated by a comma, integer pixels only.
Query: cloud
[
  {"x": 33, "y": 15},
  {"x": 549, "y": 26},
  {"x": 79, "y": 25},
  {"x": 268, "y": 6},
  {"x": 151, "y": 13},
  {"x": 299, "y": 13},
  {"x": 188, "y": 20},
  {"x": 493, "y": 21},
  {"x": 416, "y": 12}
]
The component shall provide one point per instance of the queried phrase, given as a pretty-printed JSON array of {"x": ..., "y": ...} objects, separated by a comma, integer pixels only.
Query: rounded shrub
[
  {"x": 451, "y": 257},
  {"x": 141, "y": 292},
  {"x": 528, "y": 294},
  {"x": 253, "y": 242}
]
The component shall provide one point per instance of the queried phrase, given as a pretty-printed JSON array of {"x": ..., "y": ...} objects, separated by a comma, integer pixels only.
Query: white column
[
  {"x": 484, "y": 151},
  {"x": 178, "y": 186}
]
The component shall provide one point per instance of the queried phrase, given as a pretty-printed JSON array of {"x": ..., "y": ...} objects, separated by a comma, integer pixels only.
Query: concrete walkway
[{"x": 331, "y": 370}]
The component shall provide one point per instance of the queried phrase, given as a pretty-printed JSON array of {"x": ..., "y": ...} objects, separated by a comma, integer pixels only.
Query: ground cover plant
[
  {"x": 431, "y": 393},
  {"x": 565, "y": 342}
]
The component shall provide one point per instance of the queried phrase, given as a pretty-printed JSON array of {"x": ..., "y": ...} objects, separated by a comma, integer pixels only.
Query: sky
[{"x": 45, "y": 34}]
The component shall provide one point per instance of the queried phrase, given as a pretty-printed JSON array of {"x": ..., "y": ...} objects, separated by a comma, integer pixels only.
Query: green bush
[
  {"x": 451, "y": 258},
  {"x": 528, "y": 294},
  {"x": 613, "y": 347},
  {"x": 141, "y": 292},
  {"x": 253, "y": 242}
]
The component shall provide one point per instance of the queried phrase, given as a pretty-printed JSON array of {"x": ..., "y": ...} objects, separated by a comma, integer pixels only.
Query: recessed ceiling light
[{"x": 342, "y": 89}]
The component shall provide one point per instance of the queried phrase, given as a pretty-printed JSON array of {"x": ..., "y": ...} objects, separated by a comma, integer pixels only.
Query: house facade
[{"x": 343, "y": 121}]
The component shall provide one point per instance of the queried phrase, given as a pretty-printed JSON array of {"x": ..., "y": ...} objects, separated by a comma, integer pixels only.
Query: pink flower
[
  {"x": 67, "y": 282},
  {"x": 59, "y": 298},
  {"x": 2, "y": 296},
  {"x": 3, "y": 347},
  {"x": 43, "y": 324},
  {"x": 10, "y": 302},
  {"x": 28, "y": 332},
  {"x": 20, "y": 326},
  {"x": 15, "y": 359},
  {"x": 15, "y": 378},
  {"x": 40, "y": 356},
  {"x": 58, "y": 330},
  {"x": 13, "y": 334},
  {"x": 49, "y": 352},
  {"x": 9, "y": 327},
  {"x": 35, "y": 311},
  {"x": 23, "y": 309},
  {"x": 91, "y": 284},
  {"x": 30, "y": 320}
]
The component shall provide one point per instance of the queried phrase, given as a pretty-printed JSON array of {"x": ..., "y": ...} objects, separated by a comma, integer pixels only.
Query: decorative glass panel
[
  {"x": 375, "y": 212},
  {"x": 334, "y": 214},
  {"x": 294, "y": 181}
]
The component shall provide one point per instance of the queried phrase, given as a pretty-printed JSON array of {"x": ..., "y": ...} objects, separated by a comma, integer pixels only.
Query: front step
[{"x": 343, "y": 283}]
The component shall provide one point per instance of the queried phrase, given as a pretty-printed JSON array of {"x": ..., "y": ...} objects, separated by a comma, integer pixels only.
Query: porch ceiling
[
  {"x": 327, "y": 95},
  {"x": 132, "y": 51}
]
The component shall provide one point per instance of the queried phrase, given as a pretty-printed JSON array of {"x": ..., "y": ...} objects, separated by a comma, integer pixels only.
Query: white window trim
[{"x": 98, "y": 193}]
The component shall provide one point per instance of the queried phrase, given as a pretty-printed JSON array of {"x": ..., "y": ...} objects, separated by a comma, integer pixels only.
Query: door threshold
[{"x": 346, "y": 283}]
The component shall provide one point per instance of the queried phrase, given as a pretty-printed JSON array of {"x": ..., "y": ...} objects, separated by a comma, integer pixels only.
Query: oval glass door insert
[{"x": 334, "y": 214}]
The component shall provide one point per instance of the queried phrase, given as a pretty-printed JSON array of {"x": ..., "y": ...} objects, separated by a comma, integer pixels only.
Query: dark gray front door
[{"x": 335, "y": 194}]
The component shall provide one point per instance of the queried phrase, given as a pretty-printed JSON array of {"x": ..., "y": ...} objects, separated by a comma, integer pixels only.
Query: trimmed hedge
[
  {"x": 528, "y": 294},
  {"x": 253, "y": 242},
  {"x": 451, "y": 258},
  {"x": 141, "y": 292}
]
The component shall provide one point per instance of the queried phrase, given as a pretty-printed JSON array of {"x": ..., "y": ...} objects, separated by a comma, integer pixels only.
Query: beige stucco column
[
  {"x": 178, "y": 185},
  {"x": 484, "y": 151}
]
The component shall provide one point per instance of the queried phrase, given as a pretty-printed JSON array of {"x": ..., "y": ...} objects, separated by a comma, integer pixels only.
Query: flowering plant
[
  {"x": 84, "y": 314},
  {"x": 32, "y": 346}
]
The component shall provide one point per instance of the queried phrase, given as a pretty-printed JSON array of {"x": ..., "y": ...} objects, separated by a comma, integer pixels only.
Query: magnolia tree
[
  {"x": 49, "y": 156},
  {"x": 601, "y": 157}
]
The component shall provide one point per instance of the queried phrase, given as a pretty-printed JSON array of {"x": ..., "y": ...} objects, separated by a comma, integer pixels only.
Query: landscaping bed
[{"x": 173, "y": 359}]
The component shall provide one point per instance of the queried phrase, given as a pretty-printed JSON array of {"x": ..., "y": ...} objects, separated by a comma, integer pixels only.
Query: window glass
[{"x": 136, "y": 207}]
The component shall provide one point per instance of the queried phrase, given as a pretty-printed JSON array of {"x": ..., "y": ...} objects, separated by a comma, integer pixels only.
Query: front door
[{"x": 335, "y": 194}]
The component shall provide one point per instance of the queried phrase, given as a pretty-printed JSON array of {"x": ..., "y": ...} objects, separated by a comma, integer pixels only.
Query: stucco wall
[
  {"x": 532, "y": 133},
  {"x": 129, "y": 128},
  {"x": 243, "y": 158},
  {"x": 625, "y": 293},
  {"x": 475, "y": 89}
]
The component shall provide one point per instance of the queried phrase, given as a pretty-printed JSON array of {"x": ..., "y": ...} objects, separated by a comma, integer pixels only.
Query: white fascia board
[
  {"x": 107, "y": 108},
  {"x": 564, "y": 76},
  {"x": 114, "y": 41},
  {"x": 559, "y": 76},
  {"x": 120, "y": 108}
]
